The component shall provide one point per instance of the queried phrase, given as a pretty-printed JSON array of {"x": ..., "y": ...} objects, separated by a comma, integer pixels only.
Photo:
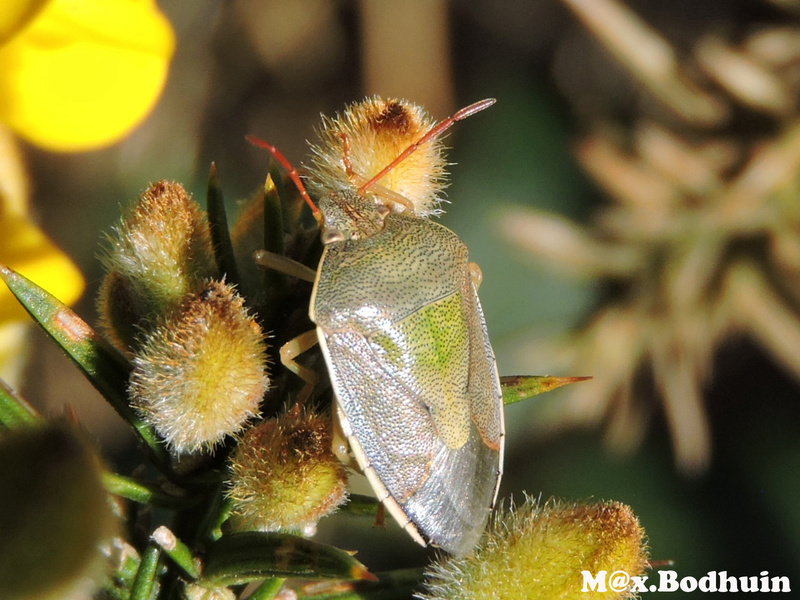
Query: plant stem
[
  {"x": 177, "y": 551},
  {"x": 268, "y": 589},
  {"x": 146, "y": 576},
  {"x": 142, "y": 493}
]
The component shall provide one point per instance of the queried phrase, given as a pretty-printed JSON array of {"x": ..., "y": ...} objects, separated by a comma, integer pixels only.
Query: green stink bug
[{"x": 404, "y": 338}]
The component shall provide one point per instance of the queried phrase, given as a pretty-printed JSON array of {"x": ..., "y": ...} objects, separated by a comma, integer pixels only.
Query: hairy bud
[
  {"x": 200, "y": 374},
  {"x": 534, "y": 551},
  {"x": 284, "y": 475},
  {"x": 158, "y": 253}
]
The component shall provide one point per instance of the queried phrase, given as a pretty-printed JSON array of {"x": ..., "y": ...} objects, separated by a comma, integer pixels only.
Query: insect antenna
[
  {"x": 434, "y": 131},
  {"x": 292, "y": 171}
]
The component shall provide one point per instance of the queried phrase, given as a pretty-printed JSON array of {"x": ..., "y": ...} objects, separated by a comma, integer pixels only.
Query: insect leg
[
  {"x": 283, "y": 264},
  {"x": 293, "y": 348}
]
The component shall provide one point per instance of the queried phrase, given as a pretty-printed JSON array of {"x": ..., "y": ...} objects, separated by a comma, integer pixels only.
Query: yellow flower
[
  {"x": 76, "y": 75},
  {"x": 25, "y": 248},
  {"x": 79, "y": 74}
]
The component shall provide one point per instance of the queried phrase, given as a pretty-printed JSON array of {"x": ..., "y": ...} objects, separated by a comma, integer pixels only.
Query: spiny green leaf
[
  {"x": 275, "y": 282},
  {"x": 242, "y": 557},
  {"x": 147, "y": 577},
  {"x": 177, "y": 550},
  {"x": 144, "y": 493},
  {"x": 14, "y": 410},
  {"x": 275, "y": 226},
  {"x": 359, "y": 505},
  {"x": 268, "y": 589},
  {"x": 106, "y": 369},
  {"x": 521, "y": 387},
  {"x": 398, "y": 584},
  {"x": 220, "y": 234}
]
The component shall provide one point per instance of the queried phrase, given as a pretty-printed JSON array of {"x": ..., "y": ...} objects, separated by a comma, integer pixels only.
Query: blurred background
[{"x": 632, "y": 200}]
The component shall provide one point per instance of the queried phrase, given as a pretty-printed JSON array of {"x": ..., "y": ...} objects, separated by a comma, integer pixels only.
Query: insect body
[
  {"x": 416, "y": 383},
  {"x": 417, "y": 391}
]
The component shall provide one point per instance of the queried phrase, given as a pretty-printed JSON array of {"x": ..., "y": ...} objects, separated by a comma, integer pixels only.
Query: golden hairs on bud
[
  {"x": 533, "y": 552},
  {"x": 372, "y": 133},
  {"x": 200, "y": 374},
  {"x": 284, "y": 475},
  {"x": 160, "y": 251}
]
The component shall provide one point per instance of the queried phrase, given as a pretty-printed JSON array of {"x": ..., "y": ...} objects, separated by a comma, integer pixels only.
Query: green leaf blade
[
  {"x": 15, "y": 412},
  {"x": 249, "y": 556},
  {"x": 517, "y": 388},
  {"x": 220, "y": 233},
  {"x": 105, "y": 368}
]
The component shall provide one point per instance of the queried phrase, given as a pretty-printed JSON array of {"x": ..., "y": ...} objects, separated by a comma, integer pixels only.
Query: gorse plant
[{"x": 240, "y": 462}]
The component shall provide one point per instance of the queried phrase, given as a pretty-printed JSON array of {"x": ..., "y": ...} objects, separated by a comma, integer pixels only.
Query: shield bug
[{"x": 404, "y": 338}]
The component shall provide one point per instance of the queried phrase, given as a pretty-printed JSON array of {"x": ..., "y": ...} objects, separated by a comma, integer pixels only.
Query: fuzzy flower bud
[
  {"x": 157, "y": 254},
  {"x": 376, "y": 131},
  {"x": 284, "y": 475},
  {"x": 200, "y": 374},
  {"x": 536, "y": 552}
]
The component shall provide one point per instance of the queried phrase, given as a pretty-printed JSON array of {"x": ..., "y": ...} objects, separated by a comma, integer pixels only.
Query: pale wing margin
[
  {"x": 486, "y": 395},
  {"x": 398, "y": 438}
]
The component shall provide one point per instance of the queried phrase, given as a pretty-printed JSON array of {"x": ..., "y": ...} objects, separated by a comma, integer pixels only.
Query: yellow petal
[
  {"x": 84, "y": 72},
  {"x": 25, "y": 248},
  {"x": 13, "y": 176},
  {"x": 15, "y": 14},
  {"x": 14, "y": 351}
]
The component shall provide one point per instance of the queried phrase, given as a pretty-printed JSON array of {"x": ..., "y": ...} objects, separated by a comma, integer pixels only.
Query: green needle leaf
[
  {"x": 399, "y": 584},
  {"x": 275, "y": 282},
  {"x": 106, "y": 369},
  {"x": 14, "y": 410},
  {"x": 359, "y": 505},
  {"x": 522, "y": 387},
  {"x": 220, "y": 234},
  {"x": 177, "y": 551},
  {"x": 243, "y": 557},
  {"x": 143, "y": 493},
  {"x": 268, "y": 590},
  {"x": 147, "y": 576}
]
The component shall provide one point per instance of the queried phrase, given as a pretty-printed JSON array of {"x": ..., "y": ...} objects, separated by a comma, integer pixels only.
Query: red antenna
[
  {"x": 434, "y": 131},
  {"x": 292, "y": 172}
]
